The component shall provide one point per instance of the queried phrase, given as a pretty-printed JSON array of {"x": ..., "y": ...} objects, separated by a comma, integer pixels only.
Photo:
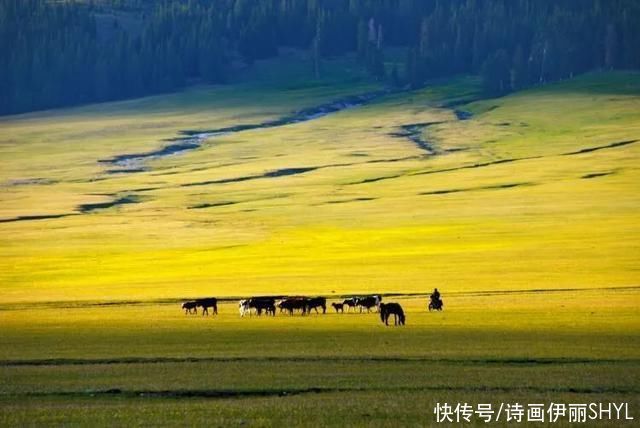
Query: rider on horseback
[{"x": 436, "y": 303}]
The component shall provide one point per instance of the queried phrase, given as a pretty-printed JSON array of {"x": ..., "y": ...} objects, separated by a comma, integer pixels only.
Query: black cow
[
  {"x": 190, "y": 307},
  {"x": 368, "y": 302},
  {"x": 339, "y": 307},
  {"x": 292, "y": 304},
  {"x": 315, "y": 303},
  {"x": 209, "y": 302},
  {"x": 260, "y": 304},
  {"x": 351, "y": 303},
  {"x": 270, "y": 309}
]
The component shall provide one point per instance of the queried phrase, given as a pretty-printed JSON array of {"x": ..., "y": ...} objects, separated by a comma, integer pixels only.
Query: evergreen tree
[
  {"x": 496, "y": 73},
  {"x": 55, "y": 53},
  {"x": 363, "y": 42},
  {"x": 394, "y": 76},
  {"x": 316, "y": 46}
]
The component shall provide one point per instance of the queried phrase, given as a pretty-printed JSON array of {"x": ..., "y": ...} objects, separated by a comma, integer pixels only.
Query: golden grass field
[
  {"x": 525, "y": 216},
  {"x": 320, "y": 232}
]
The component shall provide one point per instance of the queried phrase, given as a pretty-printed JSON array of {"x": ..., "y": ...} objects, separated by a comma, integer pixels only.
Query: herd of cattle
[{"x": 303, "y": 305}]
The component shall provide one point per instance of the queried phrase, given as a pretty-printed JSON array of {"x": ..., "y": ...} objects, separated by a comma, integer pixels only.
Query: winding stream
[{"x": 193, "y": 139}]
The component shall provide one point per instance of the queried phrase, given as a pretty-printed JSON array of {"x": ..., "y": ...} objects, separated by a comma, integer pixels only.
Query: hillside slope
[{"x": 537, "y": 190}]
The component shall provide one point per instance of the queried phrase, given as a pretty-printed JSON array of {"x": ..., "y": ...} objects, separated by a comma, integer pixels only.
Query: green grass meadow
[
  {"x": 524, "y": 215},
  {"x": 151, "y": 364}
]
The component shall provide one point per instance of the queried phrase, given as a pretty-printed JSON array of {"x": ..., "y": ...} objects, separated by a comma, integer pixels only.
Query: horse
[
  {"x": 339, "y": 307},
  {"x": 190, "y": 307},
  {"x": 435, "y": 305},
  {"x": 368, "y": 302},
  {"x": 293, "y": 303},
  {"x": 315, "y": 303},
  {"x": 209, "y": 302},
  {"x": 388, "y": 309},
  {"x": 351, "y": 303}
]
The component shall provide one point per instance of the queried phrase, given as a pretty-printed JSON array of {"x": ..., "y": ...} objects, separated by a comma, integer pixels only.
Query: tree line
[{"x": 62, "y": 53}]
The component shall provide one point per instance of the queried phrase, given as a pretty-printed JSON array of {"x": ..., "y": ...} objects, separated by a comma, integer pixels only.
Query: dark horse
[
  {"x": 209, "y": 302},
  {"x": 315, "y": 303},
  {"x": 339, "y": 307},
  {"x": 388, "y": 309},
  {"x": 190, "y": 307}
]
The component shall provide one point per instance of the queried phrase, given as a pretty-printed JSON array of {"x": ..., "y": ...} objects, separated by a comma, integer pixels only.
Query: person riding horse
[{"x": 436, "y": 302}]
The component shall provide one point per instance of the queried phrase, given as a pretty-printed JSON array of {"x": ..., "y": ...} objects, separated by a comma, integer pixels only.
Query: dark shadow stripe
[
  {"x": 376, "y": 179},
  {"x": 124, "y": 200},
  {"x": 413, "y": 132},
  {"x": 477, "y": 189},
  {"x": 477, "y": 165},
  {"x": 270, "y": 174},
  {"x": 283, "y": 172},
  {"x": 289, "y": 392},
  {"x": 211, "y": 205},
  {"x": 492, "y": 163},
  {"x": 34, "y": 217},
  {"x": 596, "y": 175},
  {"x": 346, "y": 201},
  {"x": 318, "y": 359},
  {"x": 125, "y": 170},
  {"x": 438, "y": 171},
  {"x": 288, "y": 171},
  {"x": 595, "y": 149}
]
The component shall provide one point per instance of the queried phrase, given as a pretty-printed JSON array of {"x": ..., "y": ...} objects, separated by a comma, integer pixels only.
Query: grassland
[
  {"x": 151, "y": 364},
  {"x": 525, "y": 216},
  {"x": 502, "y": 204}
]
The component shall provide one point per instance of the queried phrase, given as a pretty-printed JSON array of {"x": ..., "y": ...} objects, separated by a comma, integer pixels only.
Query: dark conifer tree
[{"x": 64, "y": 53}]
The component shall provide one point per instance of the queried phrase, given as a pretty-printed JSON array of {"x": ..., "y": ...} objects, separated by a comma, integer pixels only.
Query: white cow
[{"x": 243, "y": 307}]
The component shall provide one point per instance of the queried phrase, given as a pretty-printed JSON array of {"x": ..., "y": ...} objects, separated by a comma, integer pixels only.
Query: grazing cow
[
  {"x": 388, "y": 309},
  {"x": 210, "y": 302},
  {"x": 315, "y": 303},
  {"x": 270, "y": 309},
  {"x": 368, "y": 302},
  {"x": 262, "y": 304},
  {"x": 190, "y": 307},
  {"x": 339, "y": 307},
  {"x": 351, "y": 303},
  {"x": 243, "y": 307},
  {"x": 292, "y": 304}
]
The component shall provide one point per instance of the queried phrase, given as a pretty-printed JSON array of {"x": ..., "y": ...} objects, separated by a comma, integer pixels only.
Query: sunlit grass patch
[{"x": 342, "y": 203}]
